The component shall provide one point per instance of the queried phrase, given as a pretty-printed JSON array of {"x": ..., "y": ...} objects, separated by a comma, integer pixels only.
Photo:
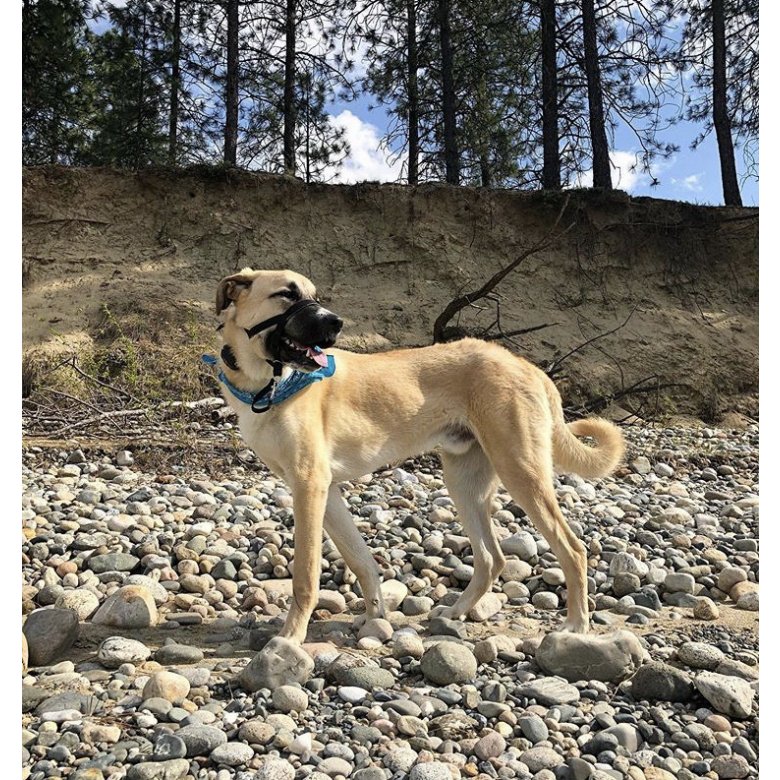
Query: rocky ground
[{"x": 147, "y": 594}]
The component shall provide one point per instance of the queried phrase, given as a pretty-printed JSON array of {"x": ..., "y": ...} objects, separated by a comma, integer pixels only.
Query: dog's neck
[{"x": 246, "y": 370}]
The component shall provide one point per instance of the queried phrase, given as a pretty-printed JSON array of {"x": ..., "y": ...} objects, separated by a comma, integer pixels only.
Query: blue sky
[{"x": 689, "y": 175}]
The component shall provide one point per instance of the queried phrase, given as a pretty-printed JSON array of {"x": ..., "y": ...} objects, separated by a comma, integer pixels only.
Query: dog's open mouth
[{"x": 301, "y": 354}]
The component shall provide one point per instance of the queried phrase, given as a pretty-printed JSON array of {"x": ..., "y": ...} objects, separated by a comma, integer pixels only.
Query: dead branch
[
  {"x": 462, "y": 301},
  {"x": 55, "y": 220},
  {"x": 640, "y": 387},
  {"x": 97, "y": 381},
  {"x": 555, "y": 366},
  {"x": 510, "y": 333},
  {"x": 110, "y": 416}
]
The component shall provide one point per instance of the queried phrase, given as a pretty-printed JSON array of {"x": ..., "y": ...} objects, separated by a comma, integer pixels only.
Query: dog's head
[{"x": 250, "y": 298}]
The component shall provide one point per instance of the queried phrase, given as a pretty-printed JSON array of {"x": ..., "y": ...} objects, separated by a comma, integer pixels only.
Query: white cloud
[
  {"x": 369, "y": 158},
  {"x": 691, "y": 183},
  {"x": 627, "y": 173}
]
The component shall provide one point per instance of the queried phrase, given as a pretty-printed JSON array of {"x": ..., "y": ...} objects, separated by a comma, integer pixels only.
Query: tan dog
[{"x": 493, "y": 416}]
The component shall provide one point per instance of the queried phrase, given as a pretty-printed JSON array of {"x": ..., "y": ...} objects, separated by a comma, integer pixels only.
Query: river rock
[
  {"x": 658, "y": 681},
  {"x": 82, "y": 601},
  {"x": 448, "y": 662},
  {"x": 50, "y": 633},
  {"x": 729, "y": 695},
  {"x": 167, "y": 685},
  {"x": 280, "y": 662},
  {"x": 609, "y": 657},
  {"x": 132, "y": 606},
  {"x": 116, "y": 650}
]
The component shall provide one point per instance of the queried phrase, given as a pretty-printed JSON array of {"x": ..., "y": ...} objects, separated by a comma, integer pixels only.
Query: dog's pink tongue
[{"x": 320, "y": 358}]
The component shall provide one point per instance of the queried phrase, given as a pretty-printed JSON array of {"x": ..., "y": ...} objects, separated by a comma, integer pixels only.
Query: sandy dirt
[{"x": 110, "y": 255}]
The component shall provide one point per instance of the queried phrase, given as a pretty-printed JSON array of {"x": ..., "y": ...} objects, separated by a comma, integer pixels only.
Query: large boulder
[
  {"x": 132, "y": 606},
  {"x": 50, "y": 633},
  {"x": 448, "y": 662},
  {"x": 280, "y": 662},
  {"x": 609, "y": 657}
]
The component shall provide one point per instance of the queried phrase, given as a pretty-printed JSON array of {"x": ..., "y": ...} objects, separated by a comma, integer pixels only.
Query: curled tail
[{"x": 572, "y": 455}]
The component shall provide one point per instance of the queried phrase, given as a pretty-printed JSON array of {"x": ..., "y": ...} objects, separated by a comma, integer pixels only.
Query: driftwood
[{"x": 469, "y": 299}]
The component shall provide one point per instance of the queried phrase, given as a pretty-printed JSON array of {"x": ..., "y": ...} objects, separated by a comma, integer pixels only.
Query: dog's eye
[{"x": 292, "y": 295}]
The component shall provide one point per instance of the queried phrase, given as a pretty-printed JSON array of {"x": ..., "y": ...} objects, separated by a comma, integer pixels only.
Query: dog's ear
[{"x": 231, "y": 287}]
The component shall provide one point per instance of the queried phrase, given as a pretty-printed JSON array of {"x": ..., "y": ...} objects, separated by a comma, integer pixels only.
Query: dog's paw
[
  {"x": 576, "y": 626},
  {"x": 450, "y": 613}
]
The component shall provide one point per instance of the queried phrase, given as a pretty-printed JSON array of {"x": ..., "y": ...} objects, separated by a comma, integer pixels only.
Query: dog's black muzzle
[
  {"x": 304, "y": 326},
  {"x": 313, "y": 325}
]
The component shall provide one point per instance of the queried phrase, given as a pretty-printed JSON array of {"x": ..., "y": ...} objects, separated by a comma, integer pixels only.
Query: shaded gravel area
[{"x": 146, "y": 595}]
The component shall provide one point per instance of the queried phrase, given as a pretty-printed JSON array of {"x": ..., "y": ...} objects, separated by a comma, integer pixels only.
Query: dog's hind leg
[
  {"x": 471, "y": 481},
  {"x": 340, "y": 527},
  {"x": 531, "y": 486}
]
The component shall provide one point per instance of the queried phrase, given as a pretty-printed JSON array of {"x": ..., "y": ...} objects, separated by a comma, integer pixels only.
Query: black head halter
[
  {"x": 259, "y": 404},
  {"x": 280, "y": 319}
]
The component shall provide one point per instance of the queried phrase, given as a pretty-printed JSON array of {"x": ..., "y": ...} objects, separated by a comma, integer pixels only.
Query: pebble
[
  {"x": 175, "y": 653},
  {"x": 534, "y": 728},
  {"x": 159, "y": 770},
  {"x": 549, "y": 691},
  {"x": 116, "y": 650},
  {"x": 232, "y": 754},
  {"x": 447, "y": 662},
  {"x": 727, "y": 767},
  {"x": 538, "y": 759},
  {"x": 290, "y": 698},
  {"x": 201, "y": 740},
  {"x": 167, "y": 685},
  {"x": 671, "y": 540},
  {"x": 705, "y": 609},
  {"x": 408, "y": 644},
  {"x": 274, "y": 769},
  {"x": 50, "y": 633},
  {"x": 699, "y": 655},
  {"x": 729, "y": 695},
  {"x": 431, "y": 770},
  {"x": 492, "y": 745}
]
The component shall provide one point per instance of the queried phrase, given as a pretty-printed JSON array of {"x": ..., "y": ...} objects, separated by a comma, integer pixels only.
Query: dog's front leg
[
  {"x": 340, "y": 526},
  {"x": 309, "y": 491}
]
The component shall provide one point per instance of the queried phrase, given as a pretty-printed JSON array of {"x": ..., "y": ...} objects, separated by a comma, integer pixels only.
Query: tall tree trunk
[
  {"x": 720, "y": 114},
  {"x": 602, "y": 175},
  {"x": 231, "y": 96},
  {"x": 451, "y": 161},
  {"x": 141, "y": 96},
  {"x": 289, "y": 88},
  {"x": 307, "y": 104},
  {"x": 413, "y": 92},
  {"x": 173, "y": 119},
  {"x": 551, "y": 169},
  {"x": 482, "y": 109},
  {"x": 486, "y": 175}
]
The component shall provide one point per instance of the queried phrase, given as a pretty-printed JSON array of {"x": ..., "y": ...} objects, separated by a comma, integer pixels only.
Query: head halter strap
[{"x": 280, "y": 319}]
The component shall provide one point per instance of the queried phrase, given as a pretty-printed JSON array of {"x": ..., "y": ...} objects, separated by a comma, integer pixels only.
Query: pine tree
[
  {"x": 55, "y": 92},
  {"x": 621, "y": 75},
  {"x": 127, "y": 127},
  {"x": 720, "y": 48}
]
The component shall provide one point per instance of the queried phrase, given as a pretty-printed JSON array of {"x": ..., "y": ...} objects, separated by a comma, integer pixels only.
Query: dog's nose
[{"x": 332, "y": 327}]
